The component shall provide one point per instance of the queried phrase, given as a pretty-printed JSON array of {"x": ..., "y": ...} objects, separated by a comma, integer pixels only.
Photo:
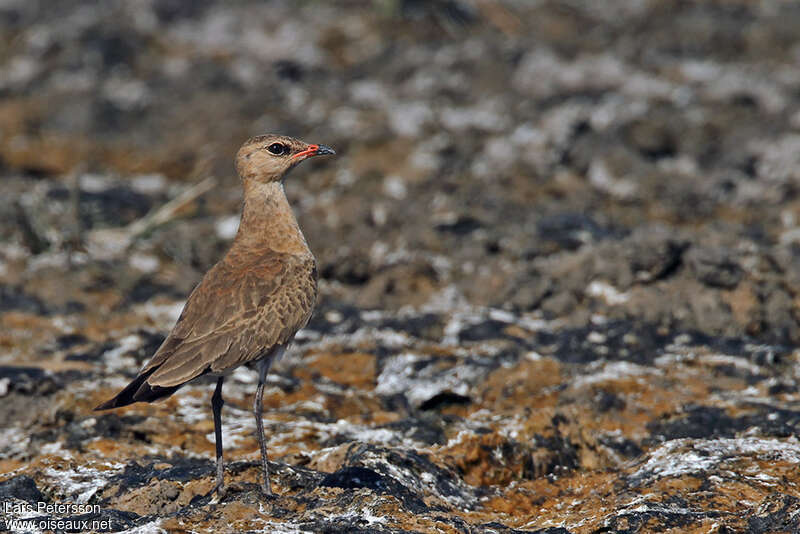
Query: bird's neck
[{"x": 268, "y": 221}]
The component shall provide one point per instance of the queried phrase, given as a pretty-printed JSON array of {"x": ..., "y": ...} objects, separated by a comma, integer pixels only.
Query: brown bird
[{"x": 249, "y": 306}]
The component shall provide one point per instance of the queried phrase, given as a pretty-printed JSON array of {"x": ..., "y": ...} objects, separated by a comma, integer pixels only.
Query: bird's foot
[
  {"x": 266, "y": 490},
  {"x": 219, "y": 491},
  {"x": 229, "y": 491}
]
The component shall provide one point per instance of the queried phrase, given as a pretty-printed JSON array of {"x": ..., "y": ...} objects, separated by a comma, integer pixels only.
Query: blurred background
[
  {"x": 618, "y": 173},
  {"x": 500, "y": 153}
]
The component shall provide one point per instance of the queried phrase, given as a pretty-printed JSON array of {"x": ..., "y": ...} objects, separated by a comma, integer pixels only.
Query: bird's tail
[{"x": 138, "y": 391}]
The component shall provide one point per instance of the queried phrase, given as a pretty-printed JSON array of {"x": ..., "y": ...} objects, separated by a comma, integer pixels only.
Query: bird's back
[{"x": 248, "y": 303}]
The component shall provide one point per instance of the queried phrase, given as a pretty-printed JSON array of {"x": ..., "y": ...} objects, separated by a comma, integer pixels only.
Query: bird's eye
[{"x": 278, "y": 149}]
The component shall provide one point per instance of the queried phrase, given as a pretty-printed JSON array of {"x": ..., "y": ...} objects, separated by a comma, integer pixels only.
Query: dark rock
[
  {"x": 346, "y": 525},
  {"x": 444, "y": 399},
  {"x": 715, "y": 267},
  {"x": 778, "y": 512},
  {"x": 424, "y": 326},
  {"x": 429, "y": 430},
  {"x": 529, "y": 290},
  {"x": 758, "y": 353},
  {"x": 93, "y": 355},
  {"x": 670, "y": 517},
  {"x": 29, "y": 380},
  {"x": 559, "y": 304},
  {"x": 782, "y": 387},
  {"x": 68, "y": 341},
  {"x": 110, "y": 425},
  {"x": 502, "y": 529},
  {"x": 488, "y": 329},
  {"x": 145, "y": 288},
  {"x": 607, "y": 401},
  {"x": 653, "y": 136},
  {"x": 655, "y": 255},
  {"x": 114, "y": 48},
  {"x": 562, "y": 456},
  {"x": 115, "y": 206},
  {"x": 13, "y": 298},
  {"x": 772, "y": 420},
  {"x": 353, "y": 269},
  {"x": 180, "y": 470},
  {"x": 357, "y": 477},
  {"x": 74, "y": 307},
  {"x": 360, "y": 477},
  {"x": 621, "y": 340},
  {"x": 389, "y": 463},
  {"x": 76, "y": 433},
  {"x": 626, "y": 447},
  {"x": 32, "y": 232},
  {"x": 415, "y": 281},
  {"x": 171, "y": 11},
  {"x": 452, "y": 11},
  {"x": 462, "y": 226},
  {"x": 118, "y": 520},
  {"x": 699, "y": 422},
  {"x": 572, "y": 230},
  {"x": 335, "y": 318},
  {"x": 185, "y": 469},
  {"x": 151, "y": 341},
  {"x": 21, "y": 487},
  {"x": 289, "y": 70}
]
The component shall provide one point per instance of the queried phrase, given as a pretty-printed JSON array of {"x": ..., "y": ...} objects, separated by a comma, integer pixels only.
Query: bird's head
[{"x": 267, "y": 158}]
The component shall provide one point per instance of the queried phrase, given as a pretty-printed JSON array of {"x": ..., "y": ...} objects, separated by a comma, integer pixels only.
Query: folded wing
[{"x": 244, "y": 306}]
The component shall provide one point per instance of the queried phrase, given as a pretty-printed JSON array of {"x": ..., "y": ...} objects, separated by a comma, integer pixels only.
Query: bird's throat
[{"x": 268, "y": 221}]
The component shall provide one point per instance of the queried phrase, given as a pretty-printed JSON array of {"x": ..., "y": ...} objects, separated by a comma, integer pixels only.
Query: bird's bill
[{"x": 315, "y": 150}]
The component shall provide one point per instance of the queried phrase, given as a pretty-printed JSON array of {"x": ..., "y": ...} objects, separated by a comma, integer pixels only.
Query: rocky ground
[{"x": 559, "y": 254}]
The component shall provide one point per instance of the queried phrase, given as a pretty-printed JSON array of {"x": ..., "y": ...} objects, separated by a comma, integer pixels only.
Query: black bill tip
[{"x": 323, "y": 150}]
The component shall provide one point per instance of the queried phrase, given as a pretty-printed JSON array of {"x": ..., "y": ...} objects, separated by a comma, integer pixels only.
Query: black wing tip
[
  {"x": 138, "y": 390},
  {"x": 107, "y": 405},
  {"x": 144, "y": 393},
  {"x": 148, "y": 393},
  {"x": 123, "y": 398}
]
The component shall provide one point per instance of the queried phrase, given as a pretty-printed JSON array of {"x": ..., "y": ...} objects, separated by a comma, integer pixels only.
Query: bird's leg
[
  {"x": 257, "y": 408},
  {"x": 263, "y": 368},
  {"x": 216, "y": 408}
]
